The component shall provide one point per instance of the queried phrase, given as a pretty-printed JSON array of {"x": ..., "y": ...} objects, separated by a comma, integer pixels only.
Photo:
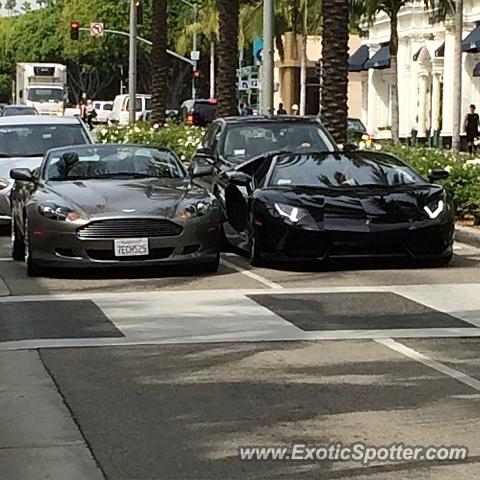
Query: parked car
[
  {"x": 14, "y": 110},
  {"x": 198, "y": 112},
  {"x": 331, "y": 204},
  {"x": 229, "y": 142},
  {"x": 171, "y": 116},
  {"x": 113, "y": 205},
  {"x": 24, "y": 141},
  {"x": 357, "y": 133},
  {"x": 103, "y": 110},
  {"x": 120, "y": 110}
]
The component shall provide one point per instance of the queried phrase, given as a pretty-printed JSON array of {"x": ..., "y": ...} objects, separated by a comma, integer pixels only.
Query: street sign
[
  {"x": 195, "y": 55},
  {"x": 96, "y": 29}
]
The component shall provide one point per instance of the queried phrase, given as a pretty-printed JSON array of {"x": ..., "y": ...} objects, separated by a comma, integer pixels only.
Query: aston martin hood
[{"x": 101, "y": 198}]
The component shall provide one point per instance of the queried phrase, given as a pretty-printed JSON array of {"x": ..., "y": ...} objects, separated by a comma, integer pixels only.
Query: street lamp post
[
  {"x": 132, "y": 72},
  {"x": 267, "y": 67}
]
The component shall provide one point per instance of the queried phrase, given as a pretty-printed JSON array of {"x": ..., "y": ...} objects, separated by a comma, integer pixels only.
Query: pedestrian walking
[
  {"x": 471, "y": 129},
  {"x": 281, "y": 110},
  {"x": 90, "y": 113}
]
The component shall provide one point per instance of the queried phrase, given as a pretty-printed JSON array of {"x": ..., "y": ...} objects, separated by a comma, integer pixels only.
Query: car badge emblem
[{"x": 128, "y": 210}]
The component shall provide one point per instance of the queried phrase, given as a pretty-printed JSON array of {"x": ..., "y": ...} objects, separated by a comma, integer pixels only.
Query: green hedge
[
  {"x": 464, "y": 179},
  {"x": 183, "y": 139}
]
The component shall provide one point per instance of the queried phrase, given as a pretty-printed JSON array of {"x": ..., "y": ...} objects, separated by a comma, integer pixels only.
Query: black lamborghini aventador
[{"x": 337, "y": 204}]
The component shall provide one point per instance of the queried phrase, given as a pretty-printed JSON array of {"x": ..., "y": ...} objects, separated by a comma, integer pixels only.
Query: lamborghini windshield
[{"x": 337, "y": 170}]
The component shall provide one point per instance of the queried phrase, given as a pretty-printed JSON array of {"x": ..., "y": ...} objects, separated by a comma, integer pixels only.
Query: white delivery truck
[{"x": 43, "y": 86}]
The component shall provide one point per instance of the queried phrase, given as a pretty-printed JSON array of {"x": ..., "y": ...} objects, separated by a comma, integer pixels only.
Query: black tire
[
  {"x": 212, "y": 266},
  {"x": 255, "y": 250},
  {"x": 18, "y": 244},
  {"x": 442, "y": 262},
  {"x": 33, "y": 269}
]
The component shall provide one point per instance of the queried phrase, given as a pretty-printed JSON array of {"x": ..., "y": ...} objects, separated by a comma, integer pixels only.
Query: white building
[{"x": 425, "y": 72}]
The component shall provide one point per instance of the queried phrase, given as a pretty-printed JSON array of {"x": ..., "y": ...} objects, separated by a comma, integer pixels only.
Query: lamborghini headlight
[
  {"x": 434, "y": 208},
  {"x": 55, "y": 212},
  {"x": 289, "y": 213}
]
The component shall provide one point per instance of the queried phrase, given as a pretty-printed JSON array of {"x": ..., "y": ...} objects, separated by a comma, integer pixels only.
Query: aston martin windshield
[
  {"x": 332, "y": 171},
  {"x": 111, "y": 161},
  {"x": 245, "y": 141}
]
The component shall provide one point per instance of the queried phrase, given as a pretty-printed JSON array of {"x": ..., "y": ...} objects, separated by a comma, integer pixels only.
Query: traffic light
[
  {"x": 139, "y": 7},
  {"x": 196, "y": 74},
  {"x": 74, "y": 30},
  {"x": 318, "y": 69}
]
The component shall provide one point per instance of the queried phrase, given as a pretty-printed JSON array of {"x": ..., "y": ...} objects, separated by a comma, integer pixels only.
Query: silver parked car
[
  {"x": 110, "y": 205},
  {"x": 24, "y": 141}
]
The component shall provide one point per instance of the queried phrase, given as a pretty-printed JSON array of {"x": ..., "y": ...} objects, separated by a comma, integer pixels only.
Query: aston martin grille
[{"x": 129, "y": 228}]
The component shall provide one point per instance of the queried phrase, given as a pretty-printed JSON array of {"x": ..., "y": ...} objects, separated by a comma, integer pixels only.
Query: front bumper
[
  {"x": 65, "y": 249},
  {"x": 424, "y": 240}
]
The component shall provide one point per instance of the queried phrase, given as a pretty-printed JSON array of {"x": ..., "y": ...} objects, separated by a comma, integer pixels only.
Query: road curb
[{"x": 468, "y": 235}]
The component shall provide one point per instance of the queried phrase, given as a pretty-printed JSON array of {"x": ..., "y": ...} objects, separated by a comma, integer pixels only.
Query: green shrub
[
  {"x": 183, "y": 139},
  {"x": 464, "y": 179}
]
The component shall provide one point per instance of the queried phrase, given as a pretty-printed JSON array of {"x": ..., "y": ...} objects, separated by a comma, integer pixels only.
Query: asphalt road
[{"x": 159, "y": 374}]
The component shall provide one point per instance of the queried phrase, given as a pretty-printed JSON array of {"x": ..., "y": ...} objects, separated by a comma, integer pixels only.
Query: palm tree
[
  {"x": 159, "y": 60},
  {"x": 227, "y": 57},
  {"x": 370, "y": 9},
  {"x": 334, "y": 108}
]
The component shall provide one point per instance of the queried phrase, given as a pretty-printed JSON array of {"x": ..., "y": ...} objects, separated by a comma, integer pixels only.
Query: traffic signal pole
[
  {"x": 267, "y": 66},
  {"x": 132, "y": 64}
]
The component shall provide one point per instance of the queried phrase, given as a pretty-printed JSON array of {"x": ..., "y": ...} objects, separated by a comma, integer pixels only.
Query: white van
[
  {"x": 103, "y": 109},
  {"x": 120, "y": 114}
]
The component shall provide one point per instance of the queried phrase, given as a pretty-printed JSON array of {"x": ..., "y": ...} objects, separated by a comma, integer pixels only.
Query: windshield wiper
[{"x": 124, "y": 174}]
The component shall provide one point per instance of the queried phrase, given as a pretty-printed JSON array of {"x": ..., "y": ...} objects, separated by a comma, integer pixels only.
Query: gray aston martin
[{"x": 102, "y": 205}]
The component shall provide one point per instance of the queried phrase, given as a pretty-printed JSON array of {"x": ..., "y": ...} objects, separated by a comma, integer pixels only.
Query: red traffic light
[
  {"x": 74, "y": 30},
  {"x": 196, "y": 74}
]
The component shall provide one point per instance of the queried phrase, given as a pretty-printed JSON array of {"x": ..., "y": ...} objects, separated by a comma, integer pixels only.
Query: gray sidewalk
[{"x": 38, "y": 438}]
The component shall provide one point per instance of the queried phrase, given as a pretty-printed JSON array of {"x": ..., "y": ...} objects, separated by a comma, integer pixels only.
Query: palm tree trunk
[
  {"x": 159, "y": 60},
  {"x": 334, "y": 108},
  {"x": 457, "y": 80},
  {"x": 227, "y": 58},
  {"x": 394, "y": 67},
  {"x": 303, "y": 75},
  {"x": 212, "y": 69}
]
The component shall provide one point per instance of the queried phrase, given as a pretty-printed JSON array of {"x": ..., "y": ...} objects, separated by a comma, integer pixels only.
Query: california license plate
[{"x": 131, "y": 247}]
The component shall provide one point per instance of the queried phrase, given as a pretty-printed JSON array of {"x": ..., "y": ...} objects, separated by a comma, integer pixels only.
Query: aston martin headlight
[
  {"x": 55, "y": 212},
  {"x": 435, "y": 208},
  {"x": 195, "y": 209},
  {"x": 291, "y": 213},
  {"x": 4, "y": 183}
]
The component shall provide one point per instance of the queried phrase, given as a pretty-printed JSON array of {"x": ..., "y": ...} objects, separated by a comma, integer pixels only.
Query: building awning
[
  {"x": 472, "y": 41},
  {"x": 476, "y": 70},
  {"x": 415, "y": 57},
  {"x": 356, "y": 62},
  {"x": 381, "y": 59},
  {"x": 440, "y": 51}
]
